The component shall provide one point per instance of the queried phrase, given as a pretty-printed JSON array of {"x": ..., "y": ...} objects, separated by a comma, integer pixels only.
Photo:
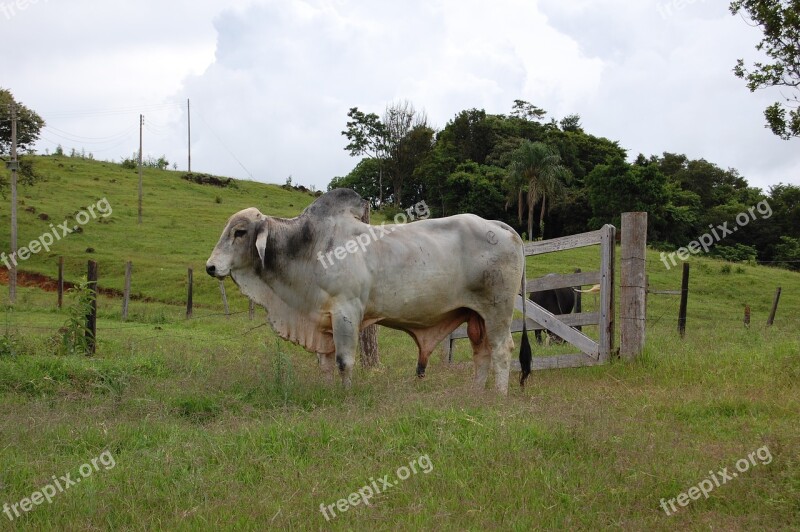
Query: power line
[
  {"x": 137, "y": 109},
  {"x": 224, "y": 145},
  {"x": 94, "y": 150},
  {"x": 72, "y": 137}
]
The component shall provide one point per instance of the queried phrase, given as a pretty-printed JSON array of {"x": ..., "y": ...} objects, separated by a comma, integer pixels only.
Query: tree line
[
  {"x": 513, "y": 167},
  {"x": 549, "y": 178}
]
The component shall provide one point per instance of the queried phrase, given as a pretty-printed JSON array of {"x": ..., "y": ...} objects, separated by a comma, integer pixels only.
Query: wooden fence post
[
  {"x": 189, "y": 297},
  {"x": 578, "y": 300},
  {"x": 684, "y": 300},
  {"x": 91, "y": 317},
  {"x": 771, "y": 319},
  {"x": 633, "y": 285},
  {"x": 368, "y": 338},
  {"x": 126, "y": 294},
  {"x": 224, "y": 298},
  {"x": 606, "y": 333},
  {"x": 60, "y": 282}
]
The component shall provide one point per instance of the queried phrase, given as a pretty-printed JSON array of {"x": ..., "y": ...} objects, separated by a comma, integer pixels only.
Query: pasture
[{"x": 214, "y": 423}]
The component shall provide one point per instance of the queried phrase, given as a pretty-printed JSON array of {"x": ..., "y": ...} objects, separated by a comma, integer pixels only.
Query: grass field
[{"x": 214, "y": 423}]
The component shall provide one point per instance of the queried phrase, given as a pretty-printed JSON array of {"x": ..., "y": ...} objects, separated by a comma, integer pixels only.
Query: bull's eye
[{"x": 239, "y": 233}]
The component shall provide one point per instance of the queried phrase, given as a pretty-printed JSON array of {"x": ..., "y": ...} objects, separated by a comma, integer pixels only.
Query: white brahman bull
[{"x": 425, "y": 278}]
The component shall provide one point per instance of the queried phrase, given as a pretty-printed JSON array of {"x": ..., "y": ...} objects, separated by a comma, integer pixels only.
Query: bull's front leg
[{"x": 345, "y": 339}]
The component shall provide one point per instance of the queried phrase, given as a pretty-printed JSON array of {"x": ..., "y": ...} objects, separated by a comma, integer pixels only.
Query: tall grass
[{"x": 215, "y": 423}]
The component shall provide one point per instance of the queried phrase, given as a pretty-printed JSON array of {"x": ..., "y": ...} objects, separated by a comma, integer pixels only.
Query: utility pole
[
  {"x": 141, "y": 124},
  {"x": 189, "y": 124},
  {"x": 12, "y": 272}
]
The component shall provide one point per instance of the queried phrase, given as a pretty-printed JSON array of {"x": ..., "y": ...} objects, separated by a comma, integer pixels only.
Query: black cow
[{"x": 557, "y": 301}]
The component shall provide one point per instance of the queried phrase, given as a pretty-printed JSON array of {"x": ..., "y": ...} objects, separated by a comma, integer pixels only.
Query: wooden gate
[{"x": 592, "y": 352}]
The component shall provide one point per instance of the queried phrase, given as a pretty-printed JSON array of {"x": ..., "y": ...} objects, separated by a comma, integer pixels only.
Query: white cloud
[{"x": 272, "y": 80}]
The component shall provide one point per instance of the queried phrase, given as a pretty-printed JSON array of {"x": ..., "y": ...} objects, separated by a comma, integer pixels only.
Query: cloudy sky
[{"x": 271, "y": 81}]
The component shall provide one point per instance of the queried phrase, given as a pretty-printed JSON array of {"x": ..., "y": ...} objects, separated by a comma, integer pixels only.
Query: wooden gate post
[
  {"x": 606, "y": 326},
  {"x": 578, "y": 300},
  {"x": 633, "y": 284}
]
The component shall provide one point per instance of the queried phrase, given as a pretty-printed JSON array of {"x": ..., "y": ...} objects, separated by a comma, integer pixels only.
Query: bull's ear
[{"x": 261, "y": 241}]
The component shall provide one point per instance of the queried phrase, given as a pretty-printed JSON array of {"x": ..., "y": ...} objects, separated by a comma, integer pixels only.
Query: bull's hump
[{"x": 337, "y": 202}]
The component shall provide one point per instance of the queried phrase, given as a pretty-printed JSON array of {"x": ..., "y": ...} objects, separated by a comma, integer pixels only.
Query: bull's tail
[
  {"x": 525, "y": 355},
  {"x": 592, "y": 290}
]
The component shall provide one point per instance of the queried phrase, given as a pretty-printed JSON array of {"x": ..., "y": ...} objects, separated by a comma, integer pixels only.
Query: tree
[
  {"x": 407, "y": 156},
  {"x": 538, "y": 168},
  {"x": 780, "y": 22},
  {"x": 432, "y": 175},
  {"x": 364, "y": 179},
  {"x": 527, "y": 111},
  {"x": 571, "y": 123},
  {"x": 407, "y": 133},
  {"x": 617, "y": 187},
  {"x": 367, "y": 136},
  {"x": 787, "y": 252},
  {"x": 468, "y": 134},
  {"x": 476, "y": 189},
  {"x": 29, "y": 124}
]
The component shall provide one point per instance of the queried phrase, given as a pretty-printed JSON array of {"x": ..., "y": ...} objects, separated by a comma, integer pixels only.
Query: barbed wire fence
[{"x": 663, "y": 318}]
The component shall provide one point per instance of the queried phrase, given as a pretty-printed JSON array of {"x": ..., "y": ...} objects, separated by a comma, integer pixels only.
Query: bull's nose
[{"x": 211, "y": 270}]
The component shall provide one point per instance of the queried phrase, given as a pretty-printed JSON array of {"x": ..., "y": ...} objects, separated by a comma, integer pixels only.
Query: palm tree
[
  {"x": 516, "y": 186},
  {"x": 537, "y": 168}
]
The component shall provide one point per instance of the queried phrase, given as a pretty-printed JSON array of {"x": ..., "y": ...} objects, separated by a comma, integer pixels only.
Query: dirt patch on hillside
[
  {"x": 36, "y": 280},
  {"x": 43, "y": 282}
]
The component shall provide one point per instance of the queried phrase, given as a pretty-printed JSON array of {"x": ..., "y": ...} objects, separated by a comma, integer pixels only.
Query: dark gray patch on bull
[
  {"x": 340, "y": 362},
  {"x": 293, "y": 238},
  {"x": 271, "y": 255},
  {"x": 299, "y": 241}
]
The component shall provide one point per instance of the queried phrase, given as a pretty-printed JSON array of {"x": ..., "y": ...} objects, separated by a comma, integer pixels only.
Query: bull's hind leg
[{"x": 501, "y": 345}]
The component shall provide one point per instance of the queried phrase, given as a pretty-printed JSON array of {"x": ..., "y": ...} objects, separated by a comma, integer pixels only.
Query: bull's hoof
[{"x": 420, "y": 371}]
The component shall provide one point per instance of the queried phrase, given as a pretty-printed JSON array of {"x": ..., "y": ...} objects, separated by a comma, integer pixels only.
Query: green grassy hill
[
  {"x": 180, "y": 226},
  {"x": 214, "y": 423}
]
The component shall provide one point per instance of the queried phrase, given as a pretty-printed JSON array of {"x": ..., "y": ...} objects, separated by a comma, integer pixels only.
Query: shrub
[{"x": 73, "y": 333}]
